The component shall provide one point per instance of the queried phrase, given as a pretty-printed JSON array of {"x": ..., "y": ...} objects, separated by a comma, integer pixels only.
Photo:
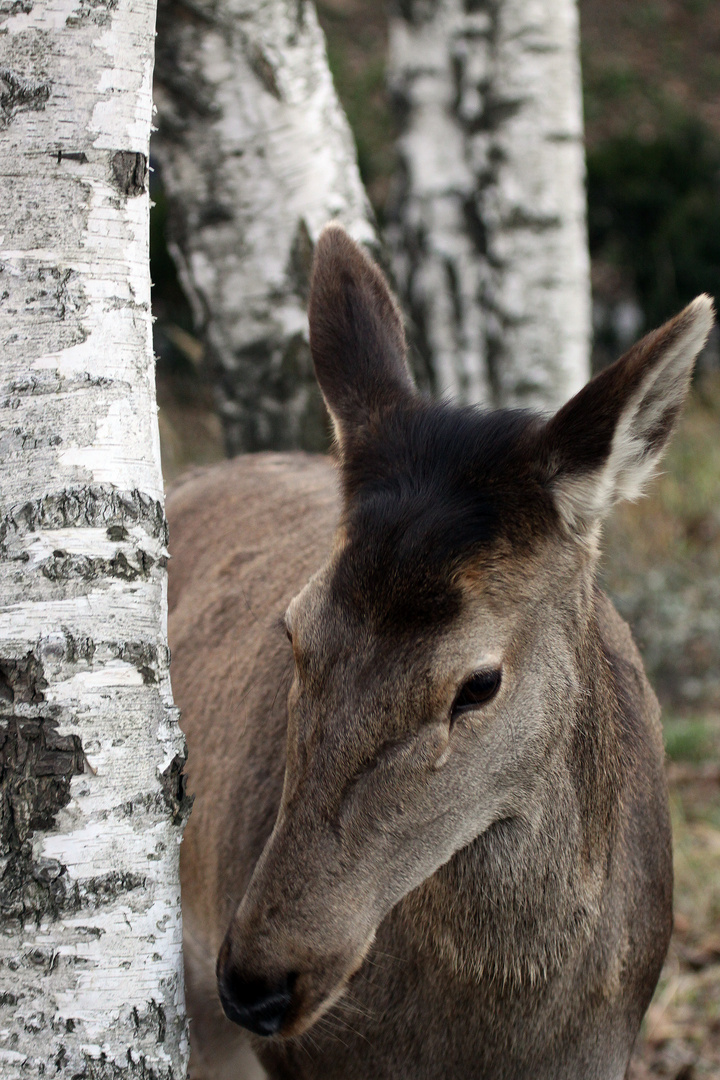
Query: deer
[{"x": 430, "y": 835}]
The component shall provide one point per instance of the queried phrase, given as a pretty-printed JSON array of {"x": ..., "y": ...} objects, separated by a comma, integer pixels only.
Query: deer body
[{"x": 430, "y": 835}]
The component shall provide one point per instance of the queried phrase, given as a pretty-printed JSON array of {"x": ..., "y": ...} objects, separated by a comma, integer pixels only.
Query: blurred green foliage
[
  {"x": 654, "y": 213},
  {"x": 362, "y": 91},
  {"x": 168, "y": 295},
  {"x": 356, "y": 36},
  {"x": 687, "y": 739}
]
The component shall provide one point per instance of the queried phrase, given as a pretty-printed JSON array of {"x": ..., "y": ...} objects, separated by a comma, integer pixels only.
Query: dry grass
[
  {"x": 662, "y": 565},
  {"x": 647, "y": 60},
  {"x": 681, "y": 1032},
  {"x": 190, "y": 431},
  {"x": 662, "y": 562}
]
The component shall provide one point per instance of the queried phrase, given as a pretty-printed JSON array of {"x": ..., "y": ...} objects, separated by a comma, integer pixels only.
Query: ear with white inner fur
[
  {"x": 606, "y": 442},
  {"x": 357, "y": 338}
]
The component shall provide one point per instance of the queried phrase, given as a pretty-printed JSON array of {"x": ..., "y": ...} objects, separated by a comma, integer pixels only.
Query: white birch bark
[
  {"x": 90, "y": 750},
  {"x": 255, "y": 156},
  {"x": 489, "y": 239}
]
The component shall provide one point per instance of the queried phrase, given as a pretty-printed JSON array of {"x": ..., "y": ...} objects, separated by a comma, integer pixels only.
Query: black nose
[{"x": 254, "y": 1004}]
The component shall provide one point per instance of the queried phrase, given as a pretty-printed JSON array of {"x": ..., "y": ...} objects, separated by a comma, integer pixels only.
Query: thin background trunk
[
  {"x": 255, "y": 156},
  {"x": 90, "y": 750},
  {"x": 489, "y": 236}
]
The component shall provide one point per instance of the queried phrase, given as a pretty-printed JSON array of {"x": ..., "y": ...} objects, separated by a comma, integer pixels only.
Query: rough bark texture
[
  {"x": 255, "y": 155},
  {"x": 489, "y": 236},
  {"x": 90, "y": 751}
]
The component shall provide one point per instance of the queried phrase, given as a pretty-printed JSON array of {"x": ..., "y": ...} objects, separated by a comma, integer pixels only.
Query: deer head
[{"x": 441, "y": 652}]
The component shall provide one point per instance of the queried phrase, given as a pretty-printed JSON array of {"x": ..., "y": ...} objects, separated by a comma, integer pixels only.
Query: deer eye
[{"x": 476, "y": 692}]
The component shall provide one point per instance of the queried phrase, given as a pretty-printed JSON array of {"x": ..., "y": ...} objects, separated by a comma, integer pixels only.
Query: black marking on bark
[
  {"x": 18, "y": 440},
  {"x": 264, "y": 69},
  {"x": 51, "y": 384},
  {"x": 457, "y": 74},
  {"x": 161, "y": 1022},
  {"x": 36, "y": 767},
  {"x": 493, "y": 115},
  {"x": 268, "y": 397},
  {"x": 120, "y": 303},
  {"x": 213, "y": 212},
  {"x": 153, "y": 1021},
  {"x": 415, "y": 13},
  {"x": 538, "y": 223},
  {"x": 174, "y": 788},
  {"x": 129, "y": 172},
  {"x": 96, "y": 506},
  {"x": 61, "y": 295},
  {"x": 64, "y": 648},
  {"x": 71, "y": 649},
  {"x": 179, "y": 75},
  {"x": 146, "y": 657},
  {"x": 50, "y": 893},
  {"x": 15, "y": 7},
  {"x": 106, "y": 887},
  {"x": 72, "y": 155},
  {"x": 117, "y": 533},
  {"x": 454, "y": 290},
  {"x": 20, "y": 95},
  {"x": 494, "y": 355},
  {"x": 137, "y": 1068},
  {"x": 92, "y": 11},
  {"x": 475, "y": 225},
  {"x": 21, "y": 680},
  {"x": 62, "y": 566},
  {"x": 52, "y": 292}
]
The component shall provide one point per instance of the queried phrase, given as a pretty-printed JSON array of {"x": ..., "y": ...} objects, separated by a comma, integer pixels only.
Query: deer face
[{"x": 436, "y": 654}]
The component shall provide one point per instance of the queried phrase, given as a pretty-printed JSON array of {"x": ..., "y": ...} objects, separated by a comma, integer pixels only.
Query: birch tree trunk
[
  {"x": 90, "y": 795},
  {"x": 489, "y": 236},
  {"x": 255, "y": 156}
]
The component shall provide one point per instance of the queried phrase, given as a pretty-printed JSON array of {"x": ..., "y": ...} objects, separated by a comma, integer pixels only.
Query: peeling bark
[
  {"x": 255, "y": 157},
  {"x": 91, "y": 792},
  {"x": 489, "y": 234}
]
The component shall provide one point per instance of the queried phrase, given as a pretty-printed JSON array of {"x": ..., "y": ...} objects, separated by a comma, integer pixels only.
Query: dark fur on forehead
[{"x": 426, "y": 491}]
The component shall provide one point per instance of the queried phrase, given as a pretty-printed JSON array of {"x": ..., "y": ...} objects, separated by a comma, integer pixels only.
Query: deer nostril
[{"x": 255, "y": 1004}]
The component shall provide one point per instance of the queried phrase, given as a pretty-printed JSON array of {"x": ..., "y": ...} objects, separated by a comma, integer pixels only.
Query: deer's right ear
[
  {"x": 357, "y": 338},
  {"x": 607, "y": 441}
]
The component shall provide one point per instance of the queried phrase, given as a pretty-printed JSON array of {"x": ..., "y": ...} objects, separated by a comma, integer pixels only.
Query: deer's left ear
[
  {"x": 606, "y": 442},
  {"x": 357, "y": 338}
]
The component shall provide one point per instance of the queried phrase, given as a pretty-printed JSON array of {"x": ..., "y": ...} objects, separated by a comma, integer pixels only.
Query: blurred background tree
[
  {"x": 488, "y": 235},
  {"x": 254, "y": 154},
  {"x": 651, "y": 82},
  {"x": 486, "y": 218}
]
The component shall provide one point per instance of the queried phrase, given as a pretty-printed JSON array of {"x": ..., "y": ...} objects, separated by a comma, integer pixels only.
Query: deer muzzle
[
  {"x": 301, "y": 931},
  {"x": 271, "y": 998}
]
